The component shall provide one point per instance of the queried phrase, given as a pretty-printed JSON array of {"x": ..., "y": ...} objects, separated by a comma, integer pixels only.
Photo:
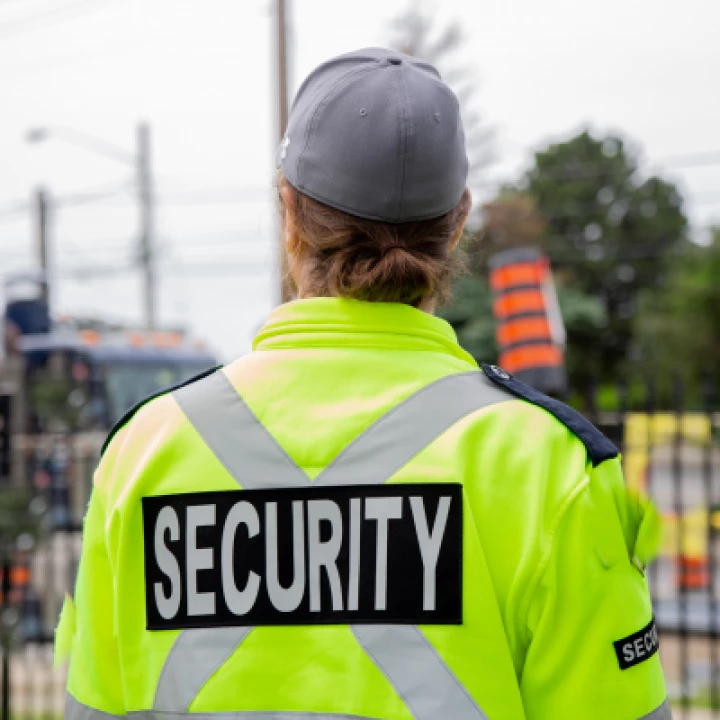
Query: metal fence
[
  {"x": 43, "y": 507},
  {"x": 669, "y": 434}
]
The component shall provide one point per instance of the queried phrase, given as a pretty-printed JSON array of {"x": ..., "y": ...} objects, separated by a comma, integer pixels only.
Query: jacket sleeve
[
  {"x": 592, "y": 647},
  {"x": 94, "y": 680}
]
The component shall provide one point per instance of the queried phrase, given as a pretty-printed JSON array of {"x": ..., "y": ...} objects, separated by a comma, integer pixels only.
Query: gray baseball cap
[{"x": 377, "y": 134}]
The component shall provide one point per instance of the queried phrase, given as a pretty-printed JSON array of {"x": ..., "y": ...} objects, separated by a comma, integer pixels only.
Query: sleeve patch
[
  {"x": 638, "y": 647},
  {"x": 599, "y": 448},
  {"x": 133, "y": 410}
]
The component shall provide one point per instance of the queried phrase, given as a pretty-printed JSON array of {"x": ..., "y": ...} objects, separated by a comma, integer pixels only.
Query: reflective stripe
[
  {"x": 661, "y": 713},
  {"x": 255, "y": 459},
  {"x": 233, "y": 432},
  {"x": 75, "y": 710},
  {"x": 193, "y": 658},
  {"x": 399, "y": 435},
  {"x": 402, "y": 653},
  {"x": 419, "y": 675}
]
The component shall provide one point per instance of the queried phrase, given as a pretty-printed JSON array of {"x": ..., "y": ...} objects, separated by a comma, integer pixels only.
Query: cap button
[{"x": 395, "y": 61}]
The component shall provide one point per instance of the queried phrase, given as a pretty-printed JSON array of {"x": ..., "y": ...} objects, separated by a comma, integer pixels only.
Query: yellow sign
[{"x": 643, "y": 431}]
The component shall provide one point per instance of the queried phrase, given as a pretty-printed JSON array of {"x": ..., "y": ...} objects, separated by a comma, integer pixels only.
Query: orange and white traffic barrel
[{"x": 530, "y": 331}]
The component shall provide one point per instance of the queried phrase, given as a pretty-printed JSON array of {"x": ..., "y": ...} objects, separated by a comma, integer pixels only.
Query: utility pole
[
  {"x": 147, "y": 221},
  {"x": 282, "y": 85},
  {"x": 141, "y": 162},
  {"x": 41, "y": 212}
]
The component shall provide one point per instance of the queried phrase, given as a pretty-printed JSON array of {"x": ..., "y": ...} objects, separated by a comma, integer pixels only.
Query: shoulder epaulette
[
  {"x": 129, "y": 414},
  {"x": 599, "y": 448}
]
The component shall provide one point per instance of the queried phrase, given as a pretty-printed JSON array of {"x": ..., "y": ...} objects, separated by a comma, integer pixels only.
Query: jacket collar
[{"x": 339, "y": 323}]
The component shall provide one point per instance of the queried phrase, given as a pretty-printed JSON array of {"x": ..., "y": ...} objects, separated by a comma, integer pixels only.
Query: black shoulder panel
[
  {"x": 599, "y": 448},
  {"x": 129, "y": 414}
]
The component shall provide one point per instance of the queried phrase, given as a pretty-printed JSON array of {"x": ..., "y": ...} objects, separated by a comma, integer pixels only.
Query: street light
[{"x": 140, "y": 160}]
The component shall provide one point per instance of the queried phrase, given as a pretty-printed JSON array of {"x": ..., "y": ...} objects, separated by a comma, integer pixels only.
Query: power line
[
  {"x": 698, "y": 159},
  {"x": 109, "y": 252},
  {"x": 85, "y": 197},
  {"x": 190, "y": 198},
  {"x": 591, "y": 168},
  {"x": 237, "y": 196},
  {"x": 233, "y": 266},
  {"x": 209, "y": 199},
  {"x": 93, "y": 272},
  {"x": 78, "y": 197},
  {"x": 184, "y": 270},
  {"x": 14, "y": 212},
  {"x": 217, "y": 269},
  {"x": 625, "y": 254},
  {"x": 220, "y": 196},
  {"x": 168, "y": 245},
  {"x": 596, "y": 209}
]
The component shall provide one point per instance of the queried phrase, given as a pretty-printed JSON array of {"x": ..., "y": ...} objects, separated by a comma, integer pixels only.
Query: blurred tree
[
  {"x": 417, "y": 32},
  {"x": 678, "y": 326},
  {"x": 510, "y": 220},
  {"x": 471, "y": 315},
  {"x": 585, "y": 317},
  {"x": 16, "y": 519},
  {"x": 21, "y": 524},
  {"x": 610, "y": 234}
]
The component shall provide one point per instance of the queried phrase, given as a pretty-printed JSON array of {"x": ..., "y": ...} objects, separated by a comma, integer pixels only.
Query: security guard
[{"x": 354, "y": 521}]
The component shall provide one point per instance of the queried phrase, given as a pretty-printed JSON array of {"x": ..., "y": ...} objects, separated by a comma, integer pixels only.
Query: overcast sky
[{"x": 201, "y": 72}]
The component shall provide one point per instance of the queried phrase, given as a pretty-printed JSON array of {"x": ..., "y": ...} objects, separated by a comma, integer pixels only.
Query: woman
[{"x": 354, "y": 521}]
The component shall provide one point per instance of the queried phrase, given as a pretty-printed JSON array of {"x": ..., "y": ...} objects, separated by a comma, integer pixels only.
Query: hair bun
[
  {"x": 392, "y": 246},
  {"x": 342, "y": 255}
]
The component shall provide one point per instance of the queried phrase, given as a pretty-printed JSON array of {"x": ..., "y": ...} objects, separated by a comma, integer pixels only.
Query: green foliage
[
  {"x": 610, "y": 235},
  {"x": 582, "y": 313},
  {"x": 630, "y": 284},
  {"x": 471, "y": 315},
  {"x": 678, "y": 325},
  {"x": 50, "y": 400},
  {"x": 16, "y": 518},
  {"x": 585, "y": 318}
]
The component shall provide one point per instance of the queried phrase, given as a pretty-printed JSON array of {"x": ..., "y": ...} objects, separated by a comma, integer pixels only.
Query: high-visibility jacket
[{"x": 462, "y": 547}]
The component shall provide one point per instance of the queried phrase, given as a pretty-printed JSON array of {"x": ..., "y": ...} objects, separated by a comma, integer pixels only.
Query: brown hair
[{"x": 346, "y": 256}]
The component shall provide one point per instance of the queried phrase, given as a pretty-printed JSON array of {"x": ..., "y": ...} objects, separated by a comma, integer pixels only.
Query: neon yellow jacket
[{"x": 554, "y": 598}]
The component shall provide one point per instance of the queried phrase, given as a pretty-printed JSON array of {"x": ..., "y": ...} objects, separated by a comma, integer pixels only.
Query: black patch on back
[
  {"x": 599, "y": 448},
  {"x": 638, "y": 647},
  {"x": 380, "y": 554},
  {"x": 129, "y": 414}
]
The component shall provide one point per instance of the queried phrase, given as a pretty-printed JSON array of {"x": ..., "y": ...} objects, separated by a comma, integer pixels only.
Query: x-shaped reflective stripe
[
  {"x": 256, "y": 461},
  {"x": 75, "y": 710}
]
